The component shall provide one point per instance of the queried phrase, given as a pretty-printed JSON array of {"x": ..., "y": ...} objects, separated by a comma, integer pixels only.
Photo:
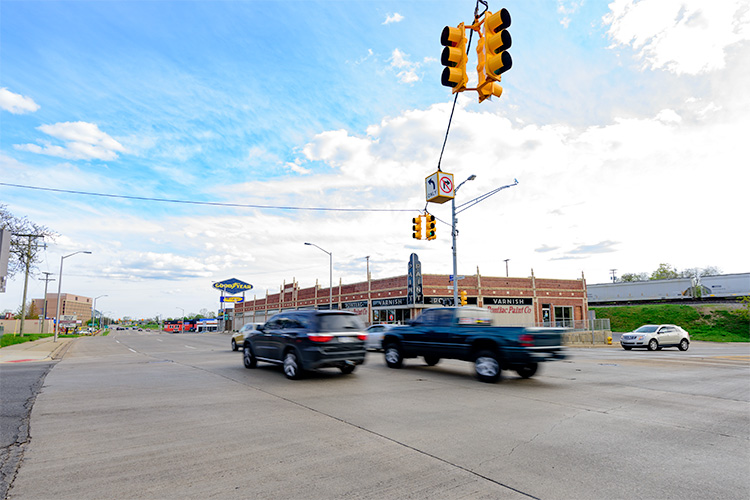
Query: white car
[
  {"x": 238, "y": 338},
  {"x": 653, "y": 337},
  {"x": 375, "y": 336}
]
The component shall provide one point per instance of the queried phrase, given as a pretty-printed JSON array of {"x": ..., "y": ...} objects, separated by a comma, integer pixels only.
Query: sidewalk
[{"x": 45, "y": 349}]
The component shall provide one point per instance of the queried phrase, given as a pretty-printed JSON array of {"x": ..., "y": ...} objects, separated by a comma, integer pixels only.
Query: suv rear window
[{"x": 339, "y": 323}]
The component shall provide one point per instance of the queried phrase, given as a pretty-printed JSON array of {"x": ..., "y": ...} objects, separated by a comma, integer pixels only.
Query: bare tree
[{"x": 22, "y": 254}]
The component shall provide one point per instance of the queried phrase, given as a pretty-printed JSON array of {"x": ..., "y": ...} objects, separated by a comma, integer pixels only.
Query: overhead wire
[{"x": 208, "y": 203}]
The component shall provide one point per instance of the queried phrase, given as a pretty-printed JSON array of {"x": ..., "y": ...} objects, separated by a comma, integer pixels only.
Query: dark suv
[{"x": 308, "y": 340}]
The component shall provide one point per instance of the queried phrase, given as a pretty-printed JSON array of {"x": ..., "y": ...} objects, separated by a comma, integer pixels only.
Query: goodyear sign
[
  {"x": 235, "y": 300},
  {"x": 233, "y": 286}
]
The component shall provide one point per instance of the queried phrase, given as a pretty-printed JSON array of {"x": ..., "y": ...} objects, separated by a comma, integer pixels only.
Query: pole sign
[
  {"x": 235, "y": 300},
  {"x": 233, "y": 286},
  {"x": 439, "y": 187}
]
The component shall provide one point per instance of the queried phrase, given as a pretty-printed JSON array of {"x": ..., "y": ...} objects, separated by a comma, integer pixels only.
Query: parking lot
[{"x": 177, "y": 416}]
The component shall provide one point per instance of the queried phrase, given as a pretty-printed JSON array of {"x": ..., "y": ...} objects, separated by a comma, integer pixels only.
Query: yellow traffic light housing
[
  {"x": 463, "y": 298},
  {"x": 430, "y": 226},
  {"x": 454, "y": 58},
  {"x": 497, "y": 41},
  {"x": 492, "y": 58},
  {"x": 417, "y": 227}
]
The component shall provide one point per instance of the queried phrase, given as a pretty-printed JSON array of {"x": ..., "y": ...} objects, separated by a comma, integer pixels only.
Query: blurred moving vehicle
[
  {"x": 655, "y": 337},
  {"x": 308, "y": 340},
  {"x": 238, "y": 338},
  {"x": 375, "y": 336}
]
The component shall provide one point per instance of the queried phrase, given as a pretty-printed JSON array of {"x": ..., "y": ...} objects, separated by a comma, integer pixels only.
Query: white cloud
[
  {"x": 680, "y": 36},
  {"x": 83, "y": 141},
  {"x": 406, "y": 70},
  {"x": 16, "y": 103},
  {"x": 567, "y": 8},
  {"x": 393, "y": 18}
]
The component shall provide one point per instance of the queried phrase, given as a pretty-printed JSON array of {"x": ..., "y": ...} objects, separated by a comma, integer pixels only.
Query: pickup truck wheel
[
  {"x": 527, "y": 370},
  {"x": 393, "y": 357},
  {"x": 431, "y": 360},
  {"x": 487, "y": 367}
]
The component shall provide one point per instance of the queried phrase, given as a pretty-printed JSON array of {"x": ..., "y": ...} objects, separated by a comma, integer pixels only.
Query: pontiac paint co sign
[{"x": 233, "y": 286}]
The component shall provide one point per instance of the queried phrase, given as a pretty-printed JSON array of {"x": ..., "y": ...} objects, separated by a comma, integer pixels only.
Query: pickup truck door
[{"x": 431, "y": 333}]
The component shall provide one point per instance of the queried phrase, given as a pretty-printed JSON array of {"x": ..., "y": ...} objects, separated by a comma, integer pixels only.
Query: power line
[{"x": 209, "y": 203}]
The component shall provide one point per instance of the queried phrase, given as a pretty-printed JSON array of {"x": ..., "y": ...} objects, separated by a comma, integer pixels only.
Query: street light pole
[
  {"x": 59, "y": 290},
  {"x": 454, "y": 234},
  {"x": 93, "y": 310},
  {"x": 182, "y": 326},
  {"x": 330, "y": 274}
]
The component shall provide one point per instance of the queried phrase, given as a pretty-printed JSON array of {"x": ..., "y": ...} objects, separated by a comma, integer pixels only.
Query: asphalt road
[
  {"x": 143, "y": 415},
  {"x": 19, "y": 386}
]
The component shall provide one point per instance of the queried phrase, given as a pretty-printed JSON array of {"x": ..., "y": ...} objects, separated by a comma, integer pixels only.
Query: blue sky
[{"x": 625, "y": 123}]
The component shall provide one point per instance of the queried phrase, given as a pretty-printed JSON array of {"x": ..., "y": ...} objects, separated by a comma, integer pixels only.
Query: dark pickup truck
[{"x": 467, "y": 333}]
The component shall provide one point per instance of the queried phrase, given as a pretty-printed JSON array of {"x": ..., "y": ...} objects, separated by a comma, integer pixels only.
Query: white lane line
[
  {"x": 132, "y": 350},
  {"x": 159, "y": 340},
  {"x": 117, "y": 341},
  {"x": 191, "y": 347}
]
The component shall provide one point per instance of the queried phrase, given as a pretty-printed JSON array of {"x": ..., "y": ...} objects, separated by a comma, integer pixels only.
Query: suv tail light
[
  {"x": 319, "y": 337},
  {"x": 526, "y": 340}
]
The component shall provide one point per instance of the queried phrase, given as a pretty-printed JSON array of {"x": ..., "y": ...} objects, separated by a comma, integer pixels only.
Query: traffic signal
[
  {"x": 417, "y": 227},
  {"x": 454, "y": 58},
  {"x": 496, "y": 43},
  {"x": 463, "y": 297},
  {"x": 430, "y": 226}
]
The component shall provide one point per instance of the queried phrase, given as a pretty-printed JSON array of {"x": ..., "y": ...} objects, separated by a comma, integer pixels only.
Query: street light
[
  {"x": 330, "y": 274},
  {"x": 182, "y": 326},
  {"x": 59, "y": 290},
  {"x": 453, "y": 233},
  {"x": 93, "y": 311}
]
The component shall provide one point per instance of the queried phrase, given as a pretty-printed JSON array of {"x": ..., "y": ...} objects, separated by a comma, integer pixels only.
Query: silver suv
[{"x": 654, "y": 337}]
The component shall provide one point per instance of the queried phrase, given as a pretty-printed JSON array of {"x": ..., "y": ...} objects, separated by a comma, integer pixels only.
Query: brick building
[
  {"x": 69, "y": 305},
  {"x": 517, "y": 301}
]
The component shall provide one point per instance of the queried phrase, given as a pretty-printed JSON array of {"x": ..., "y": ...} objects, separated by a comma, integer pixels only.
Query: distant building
[
  {"x": 517, "y": 301},
  {"x": 69, "y": 305}
]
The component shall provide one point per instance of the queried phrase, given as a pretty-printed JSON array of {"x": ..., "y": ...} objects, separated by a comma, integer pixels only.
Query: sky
[{"x": 625, "y": 123}]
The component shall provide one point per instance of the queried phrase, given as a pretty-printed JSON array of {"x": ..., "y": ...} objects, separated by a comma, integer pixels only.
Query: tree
[
  {"x": 23, "y": 254},
  {"x": 699, "y": 272},
  {"x": 664, "y": 272},
  {"x": 631, "y": 277}
]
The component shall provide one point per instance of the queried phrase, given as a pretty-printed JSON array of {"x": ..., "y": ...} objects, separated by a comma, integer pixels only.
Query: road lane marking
[
  {"x": 191, "y": 347},
  {"x": 133, "y": 350}
]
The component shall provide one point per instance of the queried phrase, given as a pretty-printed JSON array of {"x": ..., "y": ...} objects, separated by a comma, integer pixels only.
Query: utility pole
[
  {"x": 506, "y": 267},
  {"x": 26, "y": 278},
  {"x": 614, "y": 277},
  {"x": 46, "y": 280}
]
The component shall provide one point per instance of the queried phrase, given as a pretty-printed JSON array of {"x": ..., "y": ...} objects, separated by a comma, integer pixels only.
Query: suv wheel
[
  {"x": 653, "y": 345},
  {"x": 487, "y": 367},
  {"x": 684, "y": 344},
  {"x": 393, "y": 357},
  {"x": 431, "y": 360},
  {"x": 347, "y": 369},
  {"x": 248, "y": 358},
  {"x": 234, "y": 345},
  {"x": 292, "y": 368},
  {"x": 527, "y": 370}
]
